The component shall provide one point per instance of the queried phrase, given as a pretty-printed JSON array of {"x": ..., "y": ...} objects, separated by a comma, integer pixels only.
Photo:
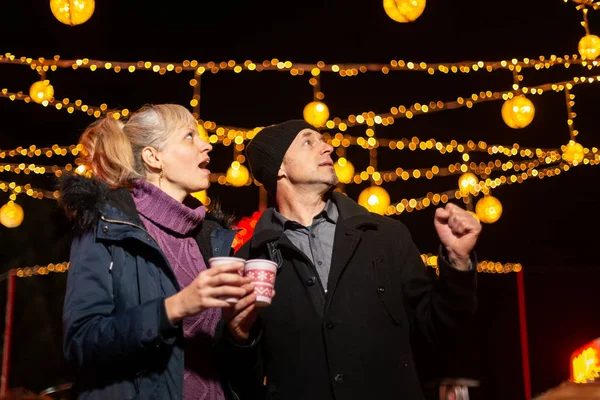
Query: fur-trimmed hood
[{"x": 84, "y": 200}]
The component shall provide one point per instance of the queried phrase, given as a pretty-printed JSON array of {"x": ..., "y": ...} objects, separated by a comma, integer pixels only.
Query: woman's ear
[{"x": 151, "y": 158}]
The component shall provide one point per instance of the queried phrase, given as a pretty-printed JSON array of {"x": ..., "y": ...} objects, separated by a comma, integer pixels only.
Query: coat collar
[{"x": 352, "y": 215}]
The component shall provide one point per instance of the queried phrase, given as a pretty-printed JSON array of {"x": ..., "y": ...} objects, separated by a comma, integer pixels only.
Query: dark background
[{"x": 549, "y": 225}]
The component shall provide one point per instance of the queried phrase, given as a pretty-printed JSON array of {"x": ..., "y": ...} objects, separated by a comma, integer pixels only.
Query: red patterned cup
[
  {"x": 215, "y": 261},
  {"x": 263, "y": 274}
]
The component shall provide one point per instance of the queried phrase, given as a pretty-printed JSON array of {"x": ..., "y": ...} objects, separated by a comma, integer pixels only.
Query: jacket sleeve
[
  {"x": 94, "y": 335},
  {"x": 438, "y": 306}
]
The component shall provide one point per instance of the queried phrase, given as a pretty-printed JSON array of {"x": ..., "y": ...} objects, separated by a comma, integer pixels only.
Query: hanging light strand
[
  {"x": 369, "y": 118},
  {"x": 343, "y": 69},
  {"x": 17, "y": 188},
  {"x": 428, "y": 259},
  {"x": 570, "y": 102},
  {"x": 420, "y": 203},
  {"x": 492, "y": 267}
]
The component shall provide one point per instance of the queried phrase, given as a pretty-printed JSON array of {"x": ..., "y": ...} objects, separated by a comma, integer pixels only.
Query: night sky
[{"x": 548, "y": 225}]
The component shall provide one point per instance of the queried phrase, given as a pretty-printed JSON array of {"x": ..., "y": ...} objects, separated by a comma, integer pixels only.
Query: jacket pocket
[{"x": 391, "y": 299}]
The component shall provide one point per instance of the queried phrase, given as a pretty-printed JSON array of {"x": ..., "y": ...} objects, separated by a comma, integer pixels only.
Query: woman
[{"x": 139, "y": 293}]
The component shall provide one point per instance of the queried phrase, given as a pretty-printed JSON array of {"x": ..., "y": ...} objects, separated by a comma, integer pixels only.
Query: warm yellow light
[
  {"x": 344, "y": 170},
  {"x": 41, "y": 91},
  {"x": 375, "y": 199},
  {"x": 203, "y": 133},
  {"x": 572, "y": 152},
  {"x": 80, "y": 170},
  {"x": 316, "y": 113},
  {"x": 11, "y": 215},
  {"x": 201, "y": 195},
  {"x": 237, "y": 174},
  {"x": 72, "y": 12},
  {"x": 404, "y": 10},
  {"x": 467, "y": 182},
  {"x": 518, "y": 112},
  {"x": 489, "y": 209},
  {"x": 585, "y": 364},
  {"x": 589, "y": 47}
]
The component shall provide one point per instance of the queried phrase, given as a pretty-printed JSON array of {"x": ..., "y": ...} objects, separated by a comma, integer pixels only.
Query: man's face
[{"x": 308, "y": 161}]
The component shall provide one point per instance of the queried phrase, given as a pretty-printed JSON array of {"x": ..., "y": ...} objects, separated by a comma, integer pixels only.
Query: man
[{"x": 351, "y": 287}]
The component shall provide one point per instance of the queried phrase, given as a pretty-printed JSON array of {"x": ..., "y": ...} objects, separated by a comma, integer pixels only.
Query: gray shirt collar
[{"x": 329, "y": 212}]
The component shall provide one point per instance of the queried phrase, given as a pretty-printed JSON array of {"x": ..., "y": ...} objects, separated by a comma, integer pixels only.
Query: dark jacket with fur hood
[{"x": 115, "y": 326}]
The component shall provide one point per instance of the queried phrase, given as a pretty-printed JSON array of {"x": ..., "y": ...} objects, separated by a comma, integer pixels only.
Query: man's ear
[
  {"x": 151, "y": 158},
  {"x": 281, "y": 173}
]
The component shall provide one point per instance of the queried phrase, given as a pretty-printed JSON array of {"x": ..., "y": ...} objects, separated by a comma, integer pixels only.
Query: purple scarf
[{"x": 172, "y": 225}]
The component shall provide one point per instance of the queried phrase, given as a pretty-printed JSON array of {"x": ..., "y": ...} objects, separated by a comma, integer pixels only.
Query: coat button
[
  {"x": 105, "y": 228},
  {"x": 330, "y": 325},
  {"x": 381, "y": 289},
  {"x": 339, "y": 378},
  {"x": 311, "y": 281},
  {"x": 216, "y": 249}
]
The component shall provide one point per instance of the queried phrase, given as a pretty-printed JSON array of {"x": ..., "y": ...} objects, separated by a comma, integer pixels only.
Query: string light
[
  {"x": 34, "y": 151},
  {"x": 17, "y": 189},
  {"x": 67, "y": 105},
  {"x": 406, "y": 204},
  {"x": 491, "y": 267},
  {"x": 368, "y": 118},
  {"x": 420, "y": 203},
  {"x": 298, "y": 69},
  {"x": 28, "y": 272},
  {"x": 38, "y": 169},
  {"x": 570, "y": 102},
  {"x": 429, "y": 260},
  {"x": 338, "y": 140},
  {"x": 236, "y": 136},
  {"x": 371, "y": 118}
]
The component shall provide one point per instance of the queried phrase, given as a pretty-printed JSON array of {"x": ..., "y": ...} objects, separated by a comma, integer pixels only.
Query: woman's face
[{"x": 184, "y": 163}]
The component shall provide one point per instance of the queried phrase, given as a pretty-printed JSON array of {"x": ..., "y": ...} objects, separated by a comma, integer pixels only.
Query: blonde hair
[{"x": 112, "y": 149}]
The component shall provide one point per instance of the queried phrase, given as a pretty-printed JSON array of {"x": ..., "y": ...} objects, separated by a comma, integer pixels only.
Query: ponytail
[{"x": 107, "y": 152}]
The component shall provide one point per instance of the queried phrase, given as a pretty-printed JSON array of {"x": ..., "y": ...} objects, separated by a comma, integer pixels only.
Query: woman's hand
[{"x": 207, "y": 290}]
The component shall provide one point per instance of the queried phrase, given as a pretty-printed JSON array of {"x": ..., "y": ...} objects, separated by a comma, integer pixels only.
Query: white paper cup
[
  {"x": 216, "y": 261},
  {"x": 263, "y": 273}
]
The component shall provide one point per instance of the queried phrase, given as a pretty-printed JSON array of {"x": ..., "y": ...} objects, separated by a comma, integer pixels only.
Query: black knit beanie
[{"x": 265, "y": 152}]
